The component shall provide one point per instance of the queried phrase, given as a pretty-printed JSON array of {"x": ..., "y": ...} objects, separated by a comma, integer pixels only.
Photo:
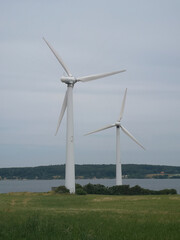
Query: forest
[{"x": 91, "y": 171}]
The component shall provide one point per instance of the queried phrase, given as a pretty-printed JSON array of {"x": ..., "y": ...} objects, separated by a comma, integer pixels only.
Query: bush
[
  {"x": 100, "y": 189},
  {"x": 96, "y": 189},
  {"x": 89, "y": 188},
  {"x": 115, "y": 190},
  {"x": 137, "y": 190},
  {"x": 119, "y": 190},
  {"x": 124, "y": 190},
  {"x": 77, "y": 186},
  {"x": 80, "y": 191},
  {"x": 61, "y": 189},
  {"x": 168, "y": 191}
]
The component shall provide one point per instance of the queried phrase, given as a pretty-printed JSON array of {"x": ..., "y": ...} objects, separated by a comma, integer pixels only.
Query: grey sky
[{"x": 92, "y": 37}]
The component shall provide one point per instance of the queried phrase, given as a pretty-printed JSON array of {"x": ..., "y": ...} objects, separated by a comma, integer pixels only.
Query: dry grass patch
[{"x": 103, "y": 199}]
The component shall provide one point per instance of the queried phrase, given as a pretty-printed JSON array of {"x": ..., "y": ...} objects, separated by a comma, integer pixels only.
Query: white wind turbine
[
  {"x": 118, "y": 127},
  {"x": 70, "y": 80}
]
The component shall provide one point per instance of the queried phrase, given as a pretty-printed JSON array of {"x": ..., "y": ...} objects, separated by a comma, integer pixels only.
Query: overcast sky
[{"x": 94, "y": 36}]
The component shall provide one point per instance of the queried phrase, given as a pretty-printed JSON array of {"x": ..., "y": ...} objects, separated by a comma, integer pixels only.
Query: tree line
[{"x": 91, "y": 171}]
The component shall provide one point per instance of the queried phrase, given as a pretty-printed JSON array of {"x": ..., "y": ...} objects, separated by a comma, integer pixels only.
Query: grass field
[{"x": 93, "y": 217}]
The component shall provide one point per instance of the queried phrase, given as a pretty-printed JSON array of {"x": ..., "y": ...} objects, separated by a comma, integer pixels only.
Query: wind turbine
[
  {"x": 118, "y": 126},
  {"x": 70, "y": 80}
]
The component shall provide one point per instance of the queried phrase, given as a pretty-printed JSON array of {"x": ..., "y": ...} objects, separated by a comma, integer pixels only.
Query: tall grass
[{"x": 49, "y": 216}]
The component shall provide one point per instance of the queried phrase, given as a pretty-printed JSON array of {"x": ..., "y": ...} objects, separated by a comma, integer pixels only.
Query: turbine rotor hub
[
  {"x": 68, "y": 80},
  {"x": 118, "y": 124}
]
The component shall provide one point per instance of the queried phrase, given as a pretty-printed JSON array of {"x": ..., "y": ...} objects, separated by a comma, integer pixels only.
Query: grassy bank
[{"x": 49, "y": 216}]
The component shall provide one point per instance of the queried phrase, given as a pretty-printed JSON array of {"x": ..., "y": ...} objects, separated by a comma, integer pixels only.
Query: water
[{"x": 7, "y": 186}]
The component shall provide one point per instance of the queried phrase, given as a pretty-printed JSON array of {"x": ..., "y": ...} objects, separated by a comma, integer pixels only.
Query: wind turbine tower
[
  {"x": 70, "y": 80},
  {"x": 119, "y": 126}
]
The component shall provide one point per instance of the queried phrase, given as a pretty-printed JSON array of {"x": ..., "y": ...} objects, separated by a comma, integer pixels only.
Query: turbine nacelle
[
  {"x": 68, "y": 80},
  {"x": 117, "y": 124}
]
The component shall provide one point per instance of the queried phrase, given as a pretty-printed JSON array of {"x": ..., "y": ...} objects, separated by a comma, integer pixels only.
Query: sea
[{"x": 7, "y": 186}]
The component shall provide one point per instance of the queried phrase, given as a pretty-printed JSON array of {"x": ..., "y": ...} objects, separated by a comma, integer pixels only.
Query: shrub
[
  {"x": 77, "y": 186},
  {"x": 96, "y": 189},
  {"x": 167, "y": 191},
  {"x": 61, "y": 189},
  {"x": 114, "y": 190},
  {"x": 101, "y": 189},
  {"x": 80, "y": 191},
  {"x": 89, "y": 188},
  {"x": 137, "y": 190},
  {"x": 119, "y": 190}
]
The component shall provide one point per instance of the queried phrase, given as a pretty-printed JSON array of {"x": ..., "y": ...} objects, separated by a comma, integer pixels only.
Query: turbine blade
[
  {"x": 131, "y": 136},
  {"x": 101, "y": 129},
  {"x": 122, "y": 107},
  {"x": 97, "y": 76},
  {"x": 62, "y": 113},
  {"x": 58, "y": 58}
]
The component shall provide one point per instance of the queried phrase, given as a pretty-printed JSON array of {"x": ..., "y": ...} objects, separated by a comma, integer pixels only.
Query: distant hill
[{"x": 91, "y": 171}]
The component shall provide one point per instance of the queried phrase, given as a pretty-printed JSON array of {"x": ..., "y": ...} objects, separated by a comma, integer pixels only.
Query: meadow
[{"x": 89, "y": 217}]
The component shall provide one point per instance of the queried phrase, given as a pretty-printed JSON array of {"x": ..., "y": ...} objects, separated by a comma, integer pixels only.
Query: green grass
[{"x": 97, "y": 217}]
